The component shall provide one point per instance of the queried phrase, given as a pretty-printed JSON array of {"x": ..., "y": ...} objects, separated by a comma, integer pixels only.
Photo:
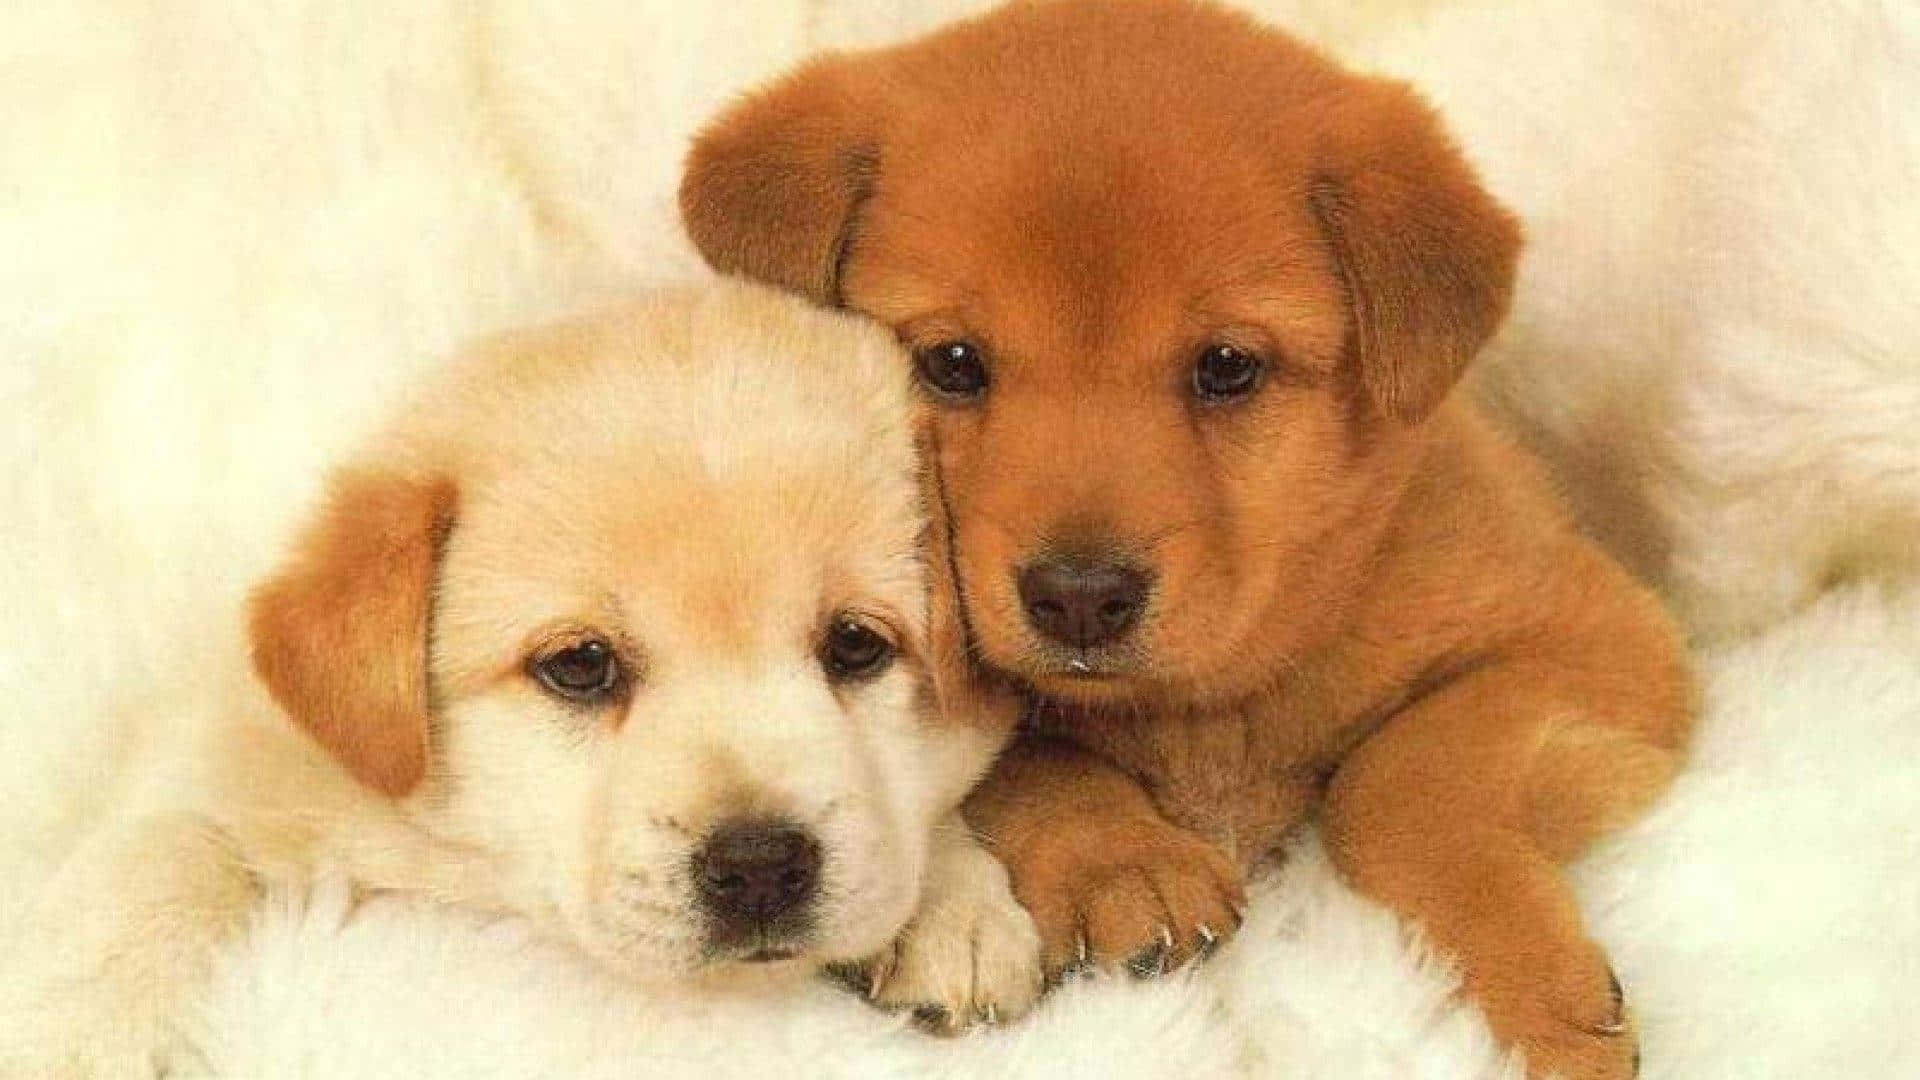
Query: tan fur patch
[{"x": 340, "y": 635}]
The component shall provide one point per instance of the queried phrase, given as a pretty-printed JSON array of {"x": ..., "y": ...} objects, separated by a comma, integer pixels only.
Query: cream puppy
[{"x": 622, "y": 626}]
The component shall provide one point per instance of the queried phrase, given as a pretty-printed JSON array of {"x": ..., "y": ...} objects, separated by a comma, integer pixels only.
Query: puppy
[
  {"x": 620, "y": 628},
  {"x": 1186, "y": 302}
]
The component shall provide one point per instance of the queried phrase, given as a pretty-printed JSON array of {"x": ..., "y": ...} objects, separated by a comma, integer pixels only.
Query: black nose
[
  {"x": 752, "y": 872},
  {"x": 1082, "y": 602}
]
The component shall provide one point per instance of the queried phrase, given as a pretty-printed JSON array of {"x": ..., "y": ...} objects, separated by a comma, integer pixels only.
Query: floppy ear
[
  {"x": 772, "y": 187},
  {"x": 340, "y": 633},
  {"x": 1426, "y": 253}
]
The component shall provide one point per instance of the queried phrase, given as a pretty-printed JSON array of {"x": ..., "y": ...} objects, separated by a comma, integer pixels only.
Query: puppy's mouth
[
  {"x": 1083, "y": 673},
  {"x": 768, "y": 954},
  {"x": 756, "y": 950},
  {"x": 1086, "y": 666}
]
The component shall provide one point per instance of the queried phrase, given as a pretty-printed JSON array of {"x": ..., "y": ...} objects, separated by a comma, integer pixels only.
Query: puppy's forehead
[
  {"x": 676, "y": 549},
  {"x": 724, "y": 466},
  {"x": 1124, "y": 250},
  {"x": 1110, "y": 164}
]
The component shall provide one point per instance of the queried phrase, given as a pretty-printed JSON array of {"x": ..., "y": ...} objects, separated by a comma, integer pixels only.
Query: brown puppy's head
[{"x": 1180, "y": 293}]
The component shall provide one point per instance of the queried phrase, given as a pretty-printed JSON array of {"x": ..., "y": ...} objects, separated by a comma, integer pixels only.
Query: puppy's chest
[{"x": 1243, "y": 781}]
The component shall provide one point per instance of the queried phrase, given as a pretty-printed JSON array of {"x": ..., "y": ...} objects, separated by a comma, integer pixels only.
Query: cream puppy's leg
[
  {"x": 96, "y": 983},
  {"x": 971, "y": 953}
]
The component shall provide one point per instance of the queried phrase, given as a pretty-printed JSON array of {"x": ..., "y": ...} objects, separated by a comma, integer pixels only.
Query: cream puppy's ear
[
  {"x": 773, "y": 187},
  {"x": 1427, "y": 255},
  {"x": 340, "y": 633}
]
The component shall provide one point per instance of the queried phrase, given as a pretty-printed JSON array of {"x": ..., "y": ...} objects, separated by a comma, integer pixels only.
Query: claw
[
  {"x": 1080, "y": 950},
  {"x": 1619, "y": 1022},
  {"x": 991, "y": 1013},
  {"x": 1166, "y": 938},
  {"x": 1148, "y": 963},
  {"x": 1208, "y": 939}
]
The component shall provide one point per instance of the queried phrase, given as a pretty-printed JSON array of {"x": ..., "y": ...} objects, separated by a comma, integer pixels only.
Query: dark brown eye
[
  {"x": 584, "y": 672},
  {"x": 853, "y": 650},
  {"x": 1225, "y": 372},
  {"x": 953, "y": 369}
]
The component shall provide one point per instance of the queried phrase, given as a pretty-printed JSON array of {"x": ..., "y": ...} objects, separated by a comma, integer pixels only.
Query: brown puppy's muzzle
[
  {"x": 1084, "y": 607},
  {"x": 1083, "y": 601}
]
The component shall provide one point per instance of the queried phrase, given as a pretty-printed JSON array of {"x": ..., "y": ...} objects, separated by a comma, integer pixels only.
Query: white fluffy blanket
[{"x": 228, "y": 233}]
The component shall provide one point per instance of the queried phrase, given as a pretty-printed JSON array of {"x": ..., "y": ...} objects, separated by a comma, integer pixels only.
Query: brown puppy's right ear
[
  {"x": 772, "y": 187},
  {"x": 340, "y": 633},
  {"x": 1426, "y": 252}
]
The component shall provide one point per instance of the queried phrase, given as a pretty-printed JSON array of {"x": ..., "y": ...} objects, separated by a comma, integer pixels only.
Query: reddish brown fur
[
  {"x": 1367, "y": 601},
  {"x": 340, "y": 635}
]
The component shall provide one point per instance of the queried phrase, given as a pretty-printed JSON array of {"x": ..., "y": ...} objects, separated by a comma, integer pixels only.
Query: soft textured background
[{"x": 228, "y": 233}]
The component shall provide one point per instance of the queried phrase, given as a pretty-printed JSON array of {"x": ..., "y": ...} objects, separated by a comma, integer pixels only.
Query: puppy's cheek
[
  {"x": 638, "y": 939},
  {"x": 631, "y": 903},
  {"x": 993, "y": 606},
  {"x": 1199, "y": 607},
  {"x": 870, "y": 895}
]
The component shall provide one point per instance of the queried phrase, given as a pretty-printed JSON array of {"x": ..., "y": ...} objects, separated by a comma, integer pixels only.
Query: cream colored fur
[{"x": 601, "y": 486}]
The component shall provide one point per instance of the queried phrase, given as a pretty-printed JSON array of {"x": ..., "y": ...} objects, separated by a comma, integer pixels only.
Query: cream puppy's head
[{"x": 634, "y": 610}]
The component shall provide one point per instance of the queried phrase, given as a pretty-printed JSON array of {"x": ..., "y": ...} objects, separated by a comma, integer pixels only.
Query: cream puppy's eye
[
  {"x": 585, "y": 671},
  {"x": 854, "y": 650}
]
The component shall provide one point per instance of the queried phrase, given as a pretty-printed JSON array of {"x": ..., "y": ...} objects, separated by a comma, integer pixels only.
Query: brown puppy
[{"x": 1187, "y": 301}]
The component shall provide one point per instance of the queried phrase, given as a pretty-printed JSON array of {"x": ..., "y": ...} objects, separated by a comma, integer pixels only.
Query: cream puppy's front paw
[{"x": 971, "y": 953}]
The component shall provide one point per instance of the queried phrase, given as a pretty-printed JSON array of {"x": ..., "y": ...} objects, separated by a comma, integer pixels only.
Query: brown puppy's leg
[
  {"x": 1457, "y": 812},
  {"x": 1108, "y": 881}
]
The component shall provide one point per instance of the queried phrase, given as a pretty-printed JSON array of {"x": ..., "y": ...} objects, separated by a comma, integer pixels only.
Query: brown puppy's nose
[
  {"x": 752, "y": 872},
  {"x": 1082, "y": 602}
]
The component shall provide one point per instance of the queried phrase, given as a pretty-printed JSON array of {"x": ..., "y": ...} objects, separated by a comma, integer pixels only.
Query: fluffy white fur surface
[{"x": 229, "y": 233}]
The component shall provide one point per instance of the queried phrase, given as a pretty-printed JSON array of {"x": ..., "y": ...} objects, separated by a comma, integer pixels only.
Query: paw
[
  {"x": 1577, "y": 1026},
  {"x": 1144, "y": 898},
  {"x": 970, "y": 955}
]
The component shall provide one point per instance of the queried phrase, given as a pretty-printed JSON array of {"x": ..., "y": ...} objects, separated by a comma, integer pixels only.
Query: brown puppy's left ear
[
  {"x": 1427, "y": 255},
  {"x": 772, "y": 187},
  {"x": 340, "y": 633}
]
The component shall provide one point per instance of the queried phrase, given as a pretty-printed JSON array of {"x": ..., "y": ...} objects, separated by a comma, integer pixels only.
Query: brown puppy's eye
[
  {"x": 1225, "y": 372},
  {"x": 953, "y": 369},
  {"x": 585, "y": 672},
  {"x": 854, "y": 650}
]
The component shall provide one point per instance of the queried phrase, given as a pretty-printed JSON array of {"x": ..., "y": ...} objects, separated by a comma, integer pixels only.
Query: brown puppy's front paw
[{"x": 1142, "y": 897}]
